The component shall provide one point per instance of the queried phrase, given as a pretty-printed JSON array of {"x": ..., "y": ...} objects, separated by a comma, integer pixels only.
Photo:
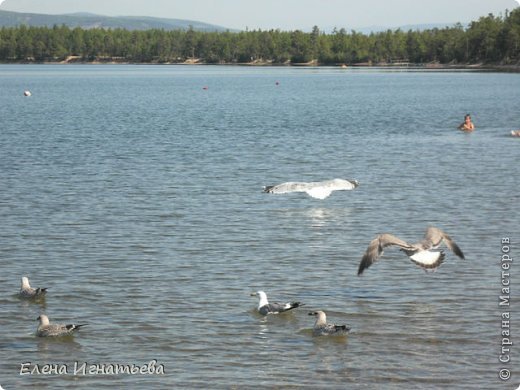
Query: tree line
[{"x": 490, "y": 39}]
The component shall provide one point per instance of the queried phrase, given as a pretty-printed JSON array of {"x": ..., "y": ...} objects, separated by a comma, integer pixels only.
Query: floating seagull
[
  {"x": 264, "y": 307},
  {"x": 419, "y": 253},
  {"x": 321, "y": 328},
  {"x": 46, "y": 329},
  {"x": 26, "y": 291},
  {"x": 27, "y": 93},
  {"x": 318, "y": 189}
]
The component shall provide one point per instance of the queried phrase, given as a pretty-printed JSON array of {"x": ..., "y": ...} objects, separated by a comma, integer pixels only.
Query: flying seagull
[
  {"x": 317, "y": 189},
  {"x": 46, "y": 329},
  {"x": 321, "y": 328},
  {"x": 26, "y": 291},
  {"x": 264, "y": 307},
  {"x": 420, "y": 253}
]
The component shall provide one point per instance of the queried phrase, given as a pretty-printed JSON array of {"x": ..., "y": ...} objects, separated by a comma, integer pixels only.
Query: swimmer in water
[{"x": 467, "y": 125}]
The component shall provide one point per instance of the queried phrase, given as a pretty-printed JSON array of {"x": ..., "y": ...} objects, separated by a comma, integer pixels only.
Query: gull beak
[
  {"x": 312, "y": 313},
  {"x": 253, "y": 294}
]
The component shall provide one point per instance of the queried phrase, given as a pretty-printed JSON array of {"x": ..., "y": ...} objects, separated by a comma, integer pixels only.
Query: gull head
[
  {"x": 263, "y": 298},
  {"x": 261, "y": 294},
  {"x": 321, "y": 318},
  {"x": 25, "y": 282},
  {"x": 44, "y": 320}
]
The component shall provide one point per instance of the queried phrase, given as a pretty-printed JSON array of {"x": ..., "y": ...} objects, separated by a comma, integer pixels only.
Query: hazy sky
[{"x": 283, "y": 14}]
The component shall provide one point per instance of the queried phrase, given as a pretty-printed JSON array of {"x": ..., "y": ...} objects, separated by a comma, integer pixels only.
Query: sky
[{"x": 282, "y": 14}]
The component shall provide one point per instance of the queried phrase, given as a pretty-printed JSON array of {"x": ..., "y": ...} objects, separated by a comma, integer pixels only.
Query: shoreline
[{"x": 76, "y": 60}]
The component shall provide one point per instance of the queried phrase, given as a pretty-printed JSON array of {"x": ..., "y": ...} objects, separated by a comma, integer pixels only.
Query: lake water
[{"x": 134, "y": 193}]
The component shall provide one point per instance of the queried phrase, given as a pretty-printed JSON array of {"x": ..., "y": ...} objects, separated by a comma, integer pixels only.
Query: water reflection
[
  {"x": 317, "y": 216},
  {"x": 321, "y": 216},
  {"x": 26, "y": 303},
  {"x": 47, "y": 346},
  {"x": 263, "y": 330}
]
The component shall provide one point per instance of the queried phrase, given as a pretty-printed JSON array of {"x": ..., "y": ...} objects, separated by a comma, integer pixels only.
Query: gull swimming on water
[
  {"x": 321, "y": 328},
  {"x": 318, "y": 189},
  {"x": 264, "y": 307},
  {"x": 26, "y": 291},
  {"x": 46, "y": 329},
  {"x": 420, "y": 253}
]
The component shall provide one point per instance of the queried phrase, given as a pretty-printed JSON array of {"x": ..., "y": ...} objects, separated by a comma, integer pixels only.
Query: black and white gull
[
  {"x": 265, "y": 308},
  {"x": 322, "y": 328},
  {"x": 318, "y": 189},
  {"x": 46, "y": 329},
  {"x": 26, "y": 291},
  {"x": 419, "y": 253}
]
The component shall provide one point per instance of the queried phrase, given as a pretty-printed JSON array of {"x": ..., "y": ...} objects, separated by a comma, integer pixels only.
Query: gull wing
[
  {"x": 338, "y": 184},
  {"x": 53, "y": 330},
  {"x": 434, "y": 237},
  {"x": 284, "y": 188},
  {"x": 375, "y": 249},
  {"x": 275, "y": 307}
]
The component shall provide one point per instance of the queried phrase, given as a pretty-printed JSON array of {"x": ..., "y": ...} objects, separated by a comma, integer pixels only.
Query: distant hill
[{"x": 88, "y": 21}]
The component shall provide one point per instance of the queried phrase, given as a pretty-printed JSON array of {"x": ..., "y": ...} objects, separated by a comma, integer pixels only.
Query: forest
[{"x": 489, "y": 40}]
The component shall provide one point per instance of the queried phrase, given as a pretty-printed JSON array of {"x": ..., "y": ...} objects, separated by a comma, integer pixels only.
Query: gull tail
[
  {"x": 292, "y": 305},
  {"x": 429, "y": 260},
  {"x": 341, "y": 328},
  {"x": 319, "y": 193},
  {"x": 74, "y": 327}
]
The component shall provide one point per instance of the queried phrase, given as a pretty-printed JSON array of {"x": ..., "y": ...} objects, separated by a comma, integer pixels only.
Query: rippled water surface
[{"x": 134, "y": 194}]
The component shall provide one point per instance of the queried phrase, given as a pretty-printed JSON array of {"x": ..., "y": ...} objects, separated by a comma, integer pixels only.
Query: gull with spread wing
[
  {"x": 318, "y": 189},
  {"x": 420, "y": 253}
]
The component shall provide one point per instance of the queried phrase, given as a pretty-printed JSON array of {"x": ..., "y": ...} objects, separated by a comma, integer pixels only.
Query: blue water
[{"x": 135, "y": 196}]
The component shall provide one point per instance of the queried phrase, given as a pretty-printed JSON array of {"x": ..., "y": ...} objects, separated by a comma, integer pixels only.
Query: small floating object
[
  {"x": 205, "y": 88},
  {"x": 27, "y": 93},
  {"x": 515, "y": 133},
  {"x": 277, "y": 83}
]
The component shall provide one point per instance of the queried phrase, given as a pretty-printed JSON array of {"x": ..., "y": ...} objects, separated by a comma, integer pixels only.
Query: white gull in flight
[
  {"x": 318, "y": 189},
  {"x": 26, "y": 291},
  {"x": 264, "y": 307},
  {"x": 321, "y": 328},
  {"x": 420, "y": 253},
  {"x": 46, "y": 329}
]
